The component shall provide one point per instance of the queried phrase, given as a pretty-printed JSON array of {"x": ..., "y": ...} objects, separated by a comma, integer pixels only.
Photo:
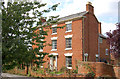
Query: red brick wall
[
  {"x": 101, "y": 69},
  {"x": 117, "y": 71},
  {"x": 76, "y": 43},
  {"x": 103, "y": 47},
  {"x": 90, "y": 40},
  {"x": 91, "y": 36}
]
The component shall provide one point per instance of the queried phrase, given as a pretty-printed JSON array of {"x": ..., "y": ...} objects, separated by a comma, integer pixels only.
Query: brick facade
[{"x": 84, "y": 34}]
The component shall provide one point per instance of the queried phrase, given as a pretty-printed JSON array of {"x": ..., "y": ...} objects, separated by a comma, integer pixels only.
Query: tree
[
  {"x": 114, "y": 41},
  {"x": 18, "y": 32}
]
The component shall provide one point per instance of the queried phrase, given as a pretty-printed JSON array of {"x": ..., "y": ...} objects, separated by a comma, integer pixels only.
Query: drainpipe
[
  {"x": 83, "y": 36},
  {"x": 98, "y": 48}
]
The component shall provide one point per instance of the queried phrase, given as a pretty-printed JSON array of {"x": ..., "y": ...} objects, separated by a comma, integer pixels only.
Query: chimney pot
[
  {"x": 89, "y": 3},
  {"x": 89, "y": 7}
]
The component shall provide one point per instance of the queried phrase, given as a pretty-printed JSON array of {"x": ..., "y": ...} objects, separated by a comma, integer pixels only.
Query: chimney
[
  {"x": 89, "y": 7},
  {"x": 42, "y": 19},
  {"x": 99, "y": 27}
]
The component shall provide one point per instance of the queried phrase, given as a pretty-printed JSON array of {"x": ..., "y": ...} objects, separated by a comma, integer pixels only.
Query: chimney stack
[
  {"x": 89, "y": 7},
  {"x": 42, "y": 19}
]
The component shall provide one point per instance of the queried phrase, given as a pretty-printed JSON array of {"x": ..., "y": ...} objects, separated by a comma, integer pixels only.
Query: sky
[{"x": 106, "y": 11}]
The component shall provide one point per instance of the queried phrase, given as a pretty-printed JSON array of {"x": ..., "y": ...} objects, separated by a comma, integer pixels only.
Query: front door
[{"x": 53, "y": 63}]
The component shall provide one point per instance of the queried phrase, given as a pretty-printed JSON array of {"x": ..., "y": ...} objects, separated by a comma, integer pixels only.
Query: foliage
[
  {"x": 90, "y": 74},
  {"x": 89, "y": 68},
  {"x": 114, "y": 41},
  {"x": 34, "y": 68},
  {"x": 76, "y": 71},
  {"x": 29, "y": 74},
  {"x": 63, "y": 69},
  {"x": 19, "y": 32}
]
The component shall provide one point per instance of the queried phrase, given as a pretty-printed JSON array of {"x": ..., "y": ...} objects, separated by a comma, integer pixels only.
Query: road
[{"x": 12, "y": 76}]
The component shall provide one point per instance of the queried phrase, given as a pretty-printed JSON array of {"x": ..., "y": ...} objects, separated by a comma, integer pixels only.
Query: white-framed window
[
  {"x": 106, "y": 51},
  {"x": 68, "y": 27},
  {"x": 54, "y": 30},
  {"x": 100, "y": 40},
  {"x": 54, "y": 44},
  {"x": 69, "y": 62},
  {"x": 68, "y": 42}
]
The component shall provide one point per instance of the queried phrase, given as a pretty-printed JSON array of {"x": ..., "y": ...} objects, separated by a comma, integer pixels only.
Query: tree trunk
[{"x": 27, "y": 68}]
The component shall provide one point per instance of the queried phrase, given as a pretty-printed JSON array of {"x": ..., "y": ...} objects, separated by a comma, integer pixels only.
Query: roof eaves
[
  {"x": 72, "y": 17},
  {"x": 101, "y": 35}
]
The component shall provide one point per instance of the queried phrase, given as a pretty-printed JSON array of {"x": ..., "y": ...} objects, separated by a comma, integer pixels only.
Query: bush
[
  {"x": 34, "y": 68},
  {"x": 63, "y": 69},
  {"x": 75, "y": 71},
  {"x": 90, "y": 74}
]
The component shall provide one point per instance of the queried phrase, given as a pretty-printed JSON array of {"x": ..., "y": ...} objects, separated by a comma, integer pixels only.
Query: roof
[
  {"x": 102, "y": 36},
  {"x": 73, "y": 16}
]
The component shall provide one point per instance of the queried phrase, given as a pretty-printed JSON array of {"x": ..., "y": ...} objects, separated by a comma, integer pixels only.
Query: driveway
[{"x": 12, "y": 76}]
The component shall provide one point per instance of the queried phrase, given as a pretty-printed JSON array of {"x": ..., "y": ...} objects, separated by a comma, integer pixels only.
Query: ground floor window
[
  {"x": 68, "y": 61},
  {"x": 53, "y": 62}
]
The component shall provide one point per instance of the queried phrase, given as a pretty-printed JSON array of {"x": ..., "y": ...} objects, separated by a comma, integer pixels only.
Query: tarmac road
[{"x": 12, "y": 76}]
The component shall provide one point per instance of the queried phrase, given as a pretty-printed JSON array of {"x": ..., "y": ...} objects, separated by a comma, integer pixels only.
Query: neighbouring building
[{"x": 80, "y": 40}]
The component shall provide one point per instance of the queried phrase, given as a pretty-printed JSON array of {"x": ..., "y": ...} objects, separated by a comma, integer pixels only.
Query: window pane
[
  {"x": 100, "y": 40},
  {"x": 54, "y": 30},
  {"x": 106, "y": 51},
  {"x": 68, "y": 27},
  {"x": 54, "y": 44},
  {"x": 68, "y": 61},
  {"x": 68, "y": 42}
]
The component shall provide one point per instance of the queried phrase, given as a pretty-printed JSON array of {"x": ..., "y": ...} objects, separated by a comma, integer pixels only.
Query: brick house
[{"x": 80, "y": 40}]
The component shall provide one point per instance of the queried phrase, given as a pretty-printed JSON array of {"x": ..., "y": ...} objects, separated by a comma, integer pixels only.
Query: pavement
[{"x": 13, "y": 76}]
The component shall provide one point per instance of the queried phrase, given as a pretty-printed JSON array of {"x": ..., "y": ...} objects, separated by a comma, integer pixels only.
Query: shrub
[{"x": 63, "y": 69}]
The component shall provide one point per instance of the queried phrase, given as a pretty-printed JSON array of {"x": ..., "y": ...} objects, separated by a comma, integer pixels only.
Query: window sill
[
  {"x": 41, "y": 50},
  {"x": 54, "y": 50},
  {"x": 68, "y": 31},
  {"x": 69, "y": 67},
  {"x": 106, "y": 54},
  {"x": 41, "y": 66},
  {"x": 53, "y": 33},
  {"x": 68, "y": 49}
]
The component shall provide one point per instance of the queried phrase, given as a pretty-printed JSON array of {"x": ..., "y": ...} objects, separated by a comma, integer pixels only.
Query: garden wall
[
  {"x": 85, "y": 69},
  {"x": 99, "y": 69}
]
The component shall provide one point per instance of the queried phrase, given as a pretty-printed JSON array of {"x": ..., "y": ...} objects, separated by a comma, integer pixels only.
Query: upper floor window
[
  {"x": 68, "y": 26},
  {"x": 68, "y": 42},
  {"x": 100, "y": 40},
  {"x": 54, "y": 30},
  {"x": 106, "y": 51},
  {"x": 54, "y": 44}
]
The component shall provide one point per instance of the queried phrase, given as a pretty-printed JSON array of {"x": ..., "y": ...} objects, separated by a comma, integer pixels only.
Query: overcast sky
[{"x": 106, "y": 11}]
